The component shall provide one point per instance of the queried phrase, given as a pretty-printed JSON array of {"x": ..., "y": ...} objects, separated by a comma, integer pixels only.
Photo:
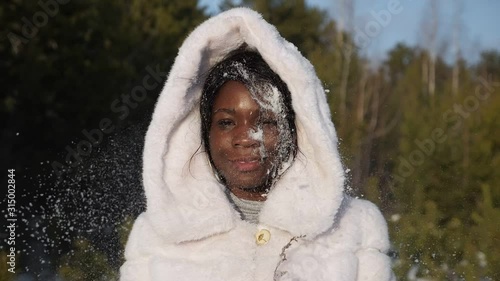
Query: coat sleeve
[
  {"x": 139, "y": 243},
  {"x": 373, "y": 262}
]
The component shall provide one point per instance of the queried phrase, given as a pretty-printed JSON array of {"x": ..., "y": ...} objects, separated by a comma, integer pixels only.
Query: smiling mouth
[{"x": 247, "y": 164}]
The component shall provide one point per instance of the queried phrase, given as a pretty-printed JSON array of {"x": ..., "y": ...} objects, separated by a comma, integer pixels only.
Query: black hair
[{"x": 249, "y": 68}]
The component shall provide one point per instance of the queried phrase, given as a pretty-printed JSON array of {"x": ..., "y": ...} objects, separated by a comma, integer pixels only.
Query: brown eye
[{"x": 225, "y": 123}]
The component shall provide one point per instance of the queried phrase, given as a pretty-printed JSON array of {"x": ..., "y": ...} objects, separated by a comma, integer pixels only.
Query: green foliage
[
  {"x": 86, "y": 263},
  {"x": 447, "y": 202},
  {"x": 5, "y": 275},
  {"x": 124, "y": 230},
  {"x": 304, "y": 26},
  {"x": 66, "y": 75}
]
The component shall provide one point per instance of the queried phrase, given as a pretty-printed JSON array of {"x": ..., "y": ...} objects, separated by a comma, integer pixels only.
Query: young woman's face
[{"x": 243, "y": 139}]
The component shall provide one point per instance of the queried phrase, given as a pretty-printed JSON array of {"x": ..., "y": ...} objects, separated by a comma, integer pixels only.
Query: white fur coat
[{"x": 190, "y": 231}]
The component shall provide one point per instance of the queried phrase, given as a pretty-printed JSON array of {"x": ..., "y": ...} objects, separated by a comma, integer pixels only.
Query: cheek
[
  {"x": 217, "y": 142},
  {"x": 271, "y": 141},
  {"x": 212, "y": 144}
]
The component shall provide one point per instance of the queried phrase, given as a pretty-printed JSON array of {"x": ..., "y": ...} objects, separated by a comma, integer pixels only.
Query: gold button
[{"x": 262, "y": 237}]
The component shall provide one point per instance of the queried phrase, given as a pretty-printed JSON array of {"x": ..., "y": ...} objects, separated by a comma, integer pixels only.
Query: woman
[{"x": 262, "y": 197}]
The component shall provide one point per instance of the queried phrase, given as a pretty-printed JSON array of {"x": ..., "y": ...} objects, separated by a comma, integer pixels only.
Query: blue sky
[{"x": 479, "y": 20}]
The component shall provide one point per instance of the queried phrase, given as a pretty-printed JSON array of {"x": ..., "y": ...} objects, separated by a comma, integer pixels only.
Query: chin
[{"x": 261, "y": 188}]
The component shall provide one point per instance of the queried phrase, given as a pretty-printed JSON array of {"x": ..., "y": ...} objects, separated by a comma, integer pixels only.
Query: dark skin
[{"x": 239, "y": 152}]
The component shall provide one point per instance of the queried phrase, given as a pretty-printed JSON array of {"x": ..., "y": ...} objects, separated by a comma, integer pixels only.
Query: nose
[{"x": 244, "y": 136}]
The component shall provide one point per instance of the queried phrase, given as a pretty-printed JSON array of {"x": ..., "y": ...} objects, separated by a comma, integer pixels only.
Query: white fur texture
[{"x": 190, "y": 230}]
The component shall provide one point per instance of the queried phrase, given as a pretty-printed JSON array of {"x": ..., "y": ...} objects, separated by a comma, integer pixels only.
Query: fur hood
[
  {"x": 179, "y": 183},
  {"x": 190, "y": 230}
]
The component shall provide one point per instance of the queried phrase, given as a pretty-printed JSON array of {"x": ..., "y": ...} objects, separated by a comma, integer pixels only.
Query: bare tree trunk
[
  {"x": 456, "y": 74},
  {"x": 340, "y": 50},
  {"x": 343, "y": 87},
  {"x": 430, "y": 30},
  {"x": 457, "y": 28},
  {"x": 433, "y": 52},
  {"x": 363, "y": 162},
  {"x": 360, "y": 108},
  {"x": 358, "y": 169},
  {"x": 345, "y": 24},
  {"x": 432, "y": 76},
  {"x": 374, "y": 111},
  {"x": 425, "y": 74}
]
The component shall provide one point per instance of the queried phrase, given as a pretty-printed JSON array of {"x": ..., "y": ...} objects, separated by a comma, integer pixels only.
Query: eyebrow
[{"x": 226, "y": 110}]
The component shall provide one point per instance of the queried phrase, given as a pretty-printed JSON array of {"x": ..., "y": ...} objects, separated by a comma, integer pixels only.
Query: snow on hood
[{"x": 179, "y": 183}]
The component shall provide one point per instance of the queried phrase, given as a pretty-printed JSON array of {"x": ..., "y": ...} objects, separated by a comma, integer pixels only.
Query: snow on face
[
  {"x": 241, "y": 149},
  {"x": 258, "y": 135},
  {"x": 272, "y": 113}
]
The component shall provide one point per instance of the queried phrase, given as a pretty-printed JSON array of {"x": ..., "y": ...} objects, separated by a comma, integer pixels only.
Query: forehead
[{"x": 235, "y": 96}]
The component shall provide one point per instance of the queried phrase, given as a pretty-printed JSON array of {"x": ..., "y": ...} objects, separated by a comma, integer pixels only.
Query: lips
[{"x": 247, "y": 164}]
